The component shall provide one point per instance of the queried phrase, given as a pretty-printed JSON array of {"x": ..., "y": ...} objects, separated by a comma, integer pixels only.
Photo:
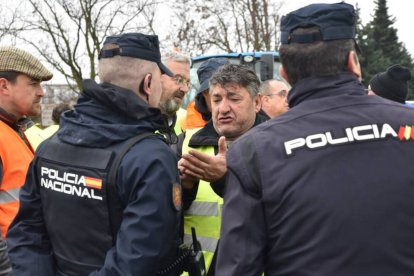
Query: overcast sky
[
  {"x": 404, "y": 18},
  {"x": 399, "y": 9}
]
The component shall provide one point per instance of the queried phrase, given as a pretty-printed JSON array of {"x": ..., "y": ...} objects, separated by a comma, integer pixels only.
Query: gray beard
[{"x": 169, "y": 107}]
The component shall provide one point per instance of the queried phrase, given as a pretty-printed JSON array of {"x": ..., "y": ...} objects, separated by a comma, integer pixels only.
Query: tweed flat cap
[{"x": 17, "y": 60}]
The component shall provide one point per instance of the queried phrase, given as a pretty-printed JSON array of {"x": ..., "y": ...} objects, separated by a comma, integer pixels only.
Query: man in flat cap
[
  {"x": 20, "y": 94},
  {"x": 327, "y": 187},
  {"x": 102, "y": 195}
]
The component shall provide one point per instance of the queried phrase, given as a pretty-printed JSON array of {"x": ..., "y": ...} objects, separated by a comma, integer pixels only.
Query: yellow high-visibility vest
[
  {"x": 181, "y": 113},
  {"x": 49, "y": 131},
  {"x": 35, "y": 136},
  {"x": 204, "y": 213}
]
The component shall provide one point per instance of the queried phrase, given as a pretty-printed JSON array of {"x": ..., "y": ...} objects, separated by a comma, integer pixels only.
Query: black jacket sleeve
[
  {"x": 189, "y": 195},
  {"x": 245, "y": 258},
  {"x": 218, "y": 186},
  {"x": 5, "y": 267},
  {"x": 150, "y": 221}
]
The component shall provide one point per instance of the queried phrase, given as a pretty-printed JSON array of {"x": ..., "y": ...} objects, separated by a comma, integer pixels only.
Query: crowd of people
[{"x": 302, "y": 176}]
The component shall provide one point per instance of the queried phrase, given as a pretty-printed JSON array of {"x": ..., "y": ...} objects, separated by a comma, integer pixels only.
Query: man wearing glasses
[
  {"x": 173, "y": 91},
  {"x": 273, "y": 95}
]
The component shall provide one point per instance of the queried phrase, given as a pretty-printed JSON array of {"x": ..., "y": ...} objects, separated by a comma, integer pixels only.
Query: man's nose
[
  {"x": 185, "y": 88},
  {"x": 40, "y": 92},
  {"x": 224, "y": 106}
]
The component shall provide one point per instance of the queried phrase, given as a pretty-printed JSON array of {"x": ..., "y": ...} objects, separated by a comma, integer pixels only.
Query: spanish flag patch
[{"x": 91, "y": 182}]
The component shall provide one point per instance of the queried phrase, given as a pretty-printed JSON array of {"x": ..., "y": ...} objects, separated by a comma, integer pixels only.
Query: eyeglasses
[
  {"x": 180, "y": 80},
  {"x": 281, "y": 93}
]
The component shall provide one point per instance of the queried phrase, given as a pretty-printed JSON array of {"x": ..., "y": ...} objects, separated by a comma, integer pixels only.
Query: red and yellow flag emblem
[
  {"x": 91, "y": 182},
  {"x": 406, "y": 133}
]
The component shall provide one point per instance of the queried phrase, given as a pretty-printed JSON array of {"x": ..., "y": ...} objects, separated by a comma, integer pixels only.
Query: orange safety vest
[
  {"x": 193, "y": 118},
  {"x": 16, "y": 157}
]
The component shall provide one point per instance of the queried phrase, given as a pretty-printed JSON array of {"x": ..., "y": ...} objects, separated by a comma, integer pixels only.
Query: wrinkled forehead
[{"x": 179, "y": 68}]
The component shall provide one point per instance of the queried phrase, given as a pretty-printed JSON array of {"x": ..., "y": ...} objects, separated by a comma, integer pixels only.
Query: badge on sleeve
[{"x": 177, "y": 196}]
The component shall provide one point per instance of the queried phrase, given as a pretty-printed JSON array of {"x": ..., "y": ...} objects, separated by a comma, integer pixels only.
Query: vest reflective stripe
[
  {"x": 207, "y": 244},
  {"x": 9, "y": 195},
  {"x": 204, "y": 213},
  {"x": 16, "y": 157},
  {"x": 203, "y": 209}
]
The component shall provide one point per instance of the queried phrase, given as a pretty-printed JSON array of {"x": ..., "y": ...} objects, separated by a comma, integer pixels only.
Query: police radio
[
  {"x": 196, "y": 265},
  {"x": 190, "y": 259}
]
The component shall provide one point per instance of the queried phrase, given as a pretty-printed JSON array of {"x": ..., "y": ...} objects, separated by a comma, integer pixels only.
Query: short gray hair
[
  {"x": 175, "y": 56},
  {"x": 266, "y": 88}
]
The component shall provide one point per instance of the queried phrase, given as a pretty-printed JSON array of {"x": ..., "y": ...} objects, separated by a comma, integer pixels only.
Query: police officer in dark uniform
[
  {"x": 86, "y": 209},
  {"x": 326, "y": 188}
]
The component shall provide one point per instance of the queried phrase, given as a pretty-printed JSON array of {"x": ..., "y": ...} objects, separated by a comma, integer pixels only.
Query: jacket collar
[
  {"x": 107, "y": 114},
  {"x": 17, "y": 125},
  {"x": 325, "y": 86},
  {"x": 120, "y": 100},
  {"x": 9, "y": 119}
]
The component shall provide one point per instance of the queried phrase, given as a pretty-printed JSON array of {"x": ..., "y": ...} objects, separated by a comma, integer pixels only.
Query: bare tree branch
[
  {"x": 68, "y": 33},
  {"x": 233, "y": 25}
]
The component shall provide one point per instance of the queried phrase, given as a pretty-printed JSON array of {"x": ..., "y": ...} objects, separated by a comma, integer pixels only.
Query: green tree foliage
[{"x": 380, "y": 45}]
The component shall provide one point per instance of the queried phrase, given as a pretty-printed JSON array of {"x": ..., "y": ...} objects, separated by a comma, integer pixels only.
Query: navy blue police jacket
[
  {"x": 58, "y": 231},
  {"x": 325, "y": 189}
]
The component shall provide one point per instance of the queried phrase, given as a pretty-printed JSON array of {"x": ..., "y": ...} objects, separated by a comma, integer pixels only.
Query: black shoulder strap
[{"x": 114, "y": 204}]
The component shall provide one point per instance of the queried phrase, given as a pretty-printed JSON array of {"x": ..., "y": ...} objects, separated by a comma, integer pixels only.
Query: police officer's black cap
[
  {"x": 335, "y": 21},
  {"x": 136, "y": 45}
]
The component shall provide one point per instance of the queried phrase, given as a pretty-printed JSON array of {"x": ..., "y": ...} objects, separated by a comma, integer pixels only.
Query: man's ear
[
  {"x": 145, "y": 87},
  {"x": 262, "y": 99},
  {"x": 149, "y": 78},
  {"x": 353, "y": 64},
  {"x": 4, "y": 86},
  {"x": 282, "y": 73},
  {"x": 257, "y": 103}
]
